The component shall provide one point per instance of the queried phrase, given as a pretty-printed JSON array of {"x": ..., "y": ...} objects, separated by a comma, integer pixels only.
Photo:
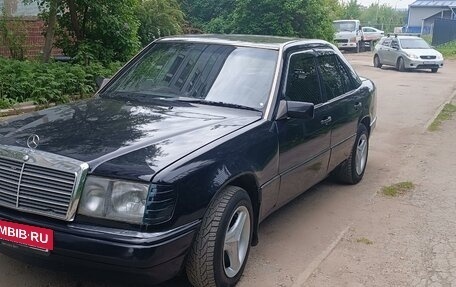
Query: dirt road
[
  {"x": 313, "y": 240},
  {"x": 303, "y": 244}
]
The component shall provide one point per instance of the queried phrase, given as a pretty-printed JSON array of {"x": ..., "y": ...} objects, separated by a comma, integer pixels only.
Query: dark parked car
[{"x": 180, "y": 156}]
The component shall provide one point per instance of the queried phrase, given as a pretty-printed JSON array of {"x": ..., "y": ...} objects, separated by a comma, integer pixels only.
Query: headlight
[
  {"x": 114, "y": 199},
  {"x": 439, "y": 57},
  {"x": 353, "y": 40},
  {"x": 413, "y": 56}
]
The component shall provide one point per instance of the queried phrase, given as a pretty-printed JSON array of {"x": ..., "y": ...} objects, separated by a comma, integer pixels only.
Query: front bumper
[
  {"x": 342, "y": 46},
  {"x": 155, "y": 257},
  {"x": 423, "y": 64}
]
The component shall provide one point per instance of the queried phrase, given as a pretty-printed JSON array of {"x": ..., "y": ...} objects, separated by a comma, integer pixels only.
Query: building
[
  {"x": 422, "y": 14},
  {"x": 22, "y": 19}
]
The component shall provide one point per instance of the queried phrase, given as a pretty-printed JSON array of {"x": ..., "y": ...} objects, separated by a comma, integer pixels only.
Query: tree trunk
[
  {"x": 50, "y": 31},
  {"x": 72, "y": 7}
]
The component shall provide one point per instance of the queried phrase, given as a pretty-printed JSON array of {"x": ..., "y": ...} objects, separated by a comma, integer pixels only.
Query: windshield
[
  {"x": 414, "y": 44},
  {"x": 347, "y": 26},
  {"x": 206, "y": 72}
]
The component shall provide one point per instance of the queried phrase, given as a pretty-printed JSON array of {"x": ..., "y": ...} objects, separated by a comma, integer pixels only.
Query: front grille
[
  {"x": 428, "y": 57},
  {"x": 341, "y": 40},
  {"x": 35, "y": 189}
]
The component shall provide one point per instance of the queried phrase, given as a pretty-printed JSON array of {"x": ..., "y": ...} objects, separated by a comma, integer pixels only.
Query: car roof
[
  {"x": 254, "y": 41},
  {"x": 401, "y": 37}
]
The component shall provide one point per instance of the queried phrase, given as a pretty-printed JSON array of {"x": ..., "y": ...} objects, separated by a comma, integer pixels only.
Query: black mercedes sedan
[{"x": 177, "y": 159}]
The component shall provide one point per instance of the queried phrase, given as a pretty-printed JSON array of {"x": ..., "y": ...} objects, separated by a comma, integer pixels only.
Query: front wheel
[
  {"x": 377, "y": 63},
  {"x": 434, "y": 70},
  {"x": 219, "y": 253},
  {"x": 351, "y": 171},
  {"x": 401, "y": 65}
]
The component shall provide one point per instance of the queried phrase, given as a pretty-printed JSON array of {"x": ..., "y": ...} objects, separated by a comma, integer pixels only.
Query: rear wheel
[
  {"x": 401, "y": 65},
  {"x": 351, "y": 171},
  {"x": 219, "y": 253},
  {"x": 434, "y": 70},
  {"x": 377, "y": 62}
]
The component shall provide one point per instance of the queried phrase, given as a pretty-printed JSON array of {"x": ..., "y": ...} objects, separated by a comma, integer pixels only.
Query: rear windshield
[{"x": 219, "y": 73}]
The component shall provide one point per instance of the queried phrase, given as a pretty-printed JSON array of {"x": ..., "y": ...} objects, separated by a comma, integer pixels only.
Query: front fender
[{"x": 199, "y": 176}]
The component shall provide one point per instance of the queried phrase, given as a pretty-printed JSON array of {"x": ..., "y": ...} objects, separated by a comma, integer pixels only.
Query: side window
[
  {"x": 349, "y": 82},
  {"x": 387, "y": 42},
  {"x": 332, "y": 79},
  {"x": 302, "y": 79},
  {"x": 395, "y": 44}
]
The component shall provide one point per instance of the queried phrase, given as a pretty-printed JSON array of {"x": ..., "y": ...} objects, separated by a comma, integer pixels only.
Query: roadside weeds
[
  {"x": 445, "y": 115},
  {"x": 398, "y": 188}
]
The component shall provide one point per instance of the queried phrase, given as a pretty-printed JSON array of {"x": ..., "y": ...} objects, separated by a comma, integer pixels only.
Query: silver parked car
[
  {"x": 372, "y": 34},
  {"x": 407, "y": 52}
]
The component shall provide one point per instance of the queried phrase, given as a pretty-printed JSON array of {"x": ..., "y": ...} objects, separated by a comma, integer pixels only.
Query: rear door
[
  {"x": 385, "y": 52},
  {"x": 303, "y": 143},
  {"x": 343, "y": 101}
]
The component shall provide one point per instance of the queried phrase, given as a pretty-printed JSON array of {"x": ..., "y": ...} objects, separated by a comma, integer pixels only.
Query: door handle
[
  {"x": 326, "y": 121},
  {"x": 358, "y": 106}
]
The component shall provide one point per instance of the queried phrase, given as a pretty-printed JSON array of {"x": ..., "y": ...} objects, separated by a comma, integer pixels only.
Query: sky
[{"x": 403, "y": 4}]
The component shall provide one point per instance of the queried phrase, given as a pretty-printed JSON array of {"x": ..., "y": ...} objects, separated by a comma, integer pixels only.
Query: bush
[
  {"x": 22, "y": 81},
  {"x": 448, "y": 50}
]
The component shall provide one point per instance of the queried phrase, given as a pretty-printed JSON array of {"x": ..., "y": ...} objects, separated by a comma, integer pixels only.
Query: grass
[
  {"x": 427, "y": 38},
  {"x": 398, "y": 188},
  {"x": 448, "y": 50},
  {"x": 445, "y": 115},
  {"x": 364, "y": 240}
]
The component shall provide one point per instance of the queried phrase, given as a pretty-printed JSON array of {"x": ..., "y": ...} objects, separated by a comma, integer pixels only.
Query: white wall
[
  {"x": 18, "y": 8},
  {"x": 417, "y": 14}
]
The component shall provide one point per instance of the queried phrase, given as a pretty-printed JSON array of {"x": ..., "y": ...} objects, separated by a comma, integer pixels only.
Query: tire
[
  {"x": 377, "y": 63},
  {"x": 209, "y": 261},
  {"x": 349, "y": 172},
  {"x": 434, "y": 70},
  {"x": 401, "y": 65}
]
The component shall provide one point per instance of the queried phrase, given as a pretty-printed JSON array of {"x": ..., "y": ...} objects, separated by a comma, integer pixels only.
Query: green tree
[
  {"x": 158, "y": 18},
  {"x": 208, "y": 13},
  {"x": 383, "y": 17},
  {"x": 352, "y": 10},
  {"x": 296, "y": 18},
  {"x": 102, "y": 30}
]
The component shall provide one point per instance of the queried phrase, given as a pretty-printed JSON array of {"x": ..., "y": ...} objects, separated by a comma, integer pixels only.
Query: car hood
[
  {"x": 123, "y": 139},
  {"x": 422, "y": 52}
]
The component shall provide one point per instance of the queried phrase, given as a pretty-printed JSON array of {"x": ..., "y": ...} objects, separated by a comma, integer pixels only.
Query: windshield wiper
[{"x": 213, "y": 103}]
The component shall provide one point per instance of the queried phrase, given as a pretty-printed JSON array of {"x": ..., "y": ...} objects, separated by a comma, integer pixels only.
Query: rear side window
[
  {"x": 302, "y": 79},
  {"x": 334, "y": 79},
  {"x": 349, "y": 82}
]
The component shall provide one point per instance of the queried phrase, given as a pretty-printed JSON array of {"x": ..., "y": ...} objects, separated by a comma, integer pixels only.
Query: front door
[{"x": 304, "y": 143}]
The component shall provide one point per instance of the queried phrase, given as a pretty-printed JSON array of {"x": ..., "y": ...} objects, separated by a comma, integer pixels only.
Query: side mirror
[
  {"x": 101, "y": 82},
  {"x": 293, "y": 109}
]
